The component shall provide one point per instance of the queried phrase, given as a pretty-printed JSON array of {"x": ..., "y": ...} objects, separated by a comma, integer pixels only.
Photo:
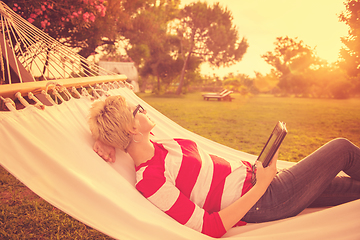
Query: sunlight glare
[{"x": 261, "y": 21}]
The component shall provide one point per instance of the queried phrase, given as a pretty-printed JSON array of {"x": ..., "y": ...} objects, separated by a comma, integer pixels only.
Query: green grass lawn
[{"x": 244, "y": 124}]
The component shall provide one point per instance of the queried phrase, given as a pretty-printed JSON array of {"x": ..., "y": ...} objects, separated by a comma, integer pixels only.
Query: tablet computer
[{"x": 272, "y": 144}]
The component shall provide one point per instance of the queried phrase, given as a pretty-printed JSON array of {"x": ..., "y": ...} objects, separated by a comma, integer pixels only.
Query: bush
[{"x": 340, "y": 89}]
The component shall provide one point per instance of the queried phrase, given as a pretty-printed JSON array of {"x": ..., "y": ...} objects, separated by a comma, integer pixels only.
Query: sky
[{"x": 315, "y": 22}]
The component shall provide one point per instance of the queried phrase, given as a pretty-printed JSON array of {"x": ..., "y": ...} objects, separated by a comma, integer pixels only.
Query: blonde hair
[{"x": 112, "y": 122}]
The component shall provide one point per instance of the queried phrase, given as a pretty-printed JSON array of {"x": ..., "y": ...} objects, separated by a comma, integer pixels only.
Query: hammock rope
[
  {"x": 29, "y": 55},
  {"x": 38, "y": 53}
]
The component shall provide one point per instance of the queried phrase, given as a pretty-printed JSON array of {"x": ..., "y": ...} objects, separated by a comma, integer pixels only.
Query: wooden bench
[{"x": 223, "y": 95}]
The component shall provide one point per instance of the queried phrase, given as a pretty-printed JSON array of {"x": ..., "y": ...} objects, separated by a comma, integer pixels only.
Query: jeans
[{"x": 313, "y": 182}]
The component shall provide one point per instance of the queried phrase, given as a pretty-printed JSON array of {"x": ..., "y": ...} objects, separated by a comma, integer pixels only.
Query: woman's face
[{"x": 145, "y": 123}]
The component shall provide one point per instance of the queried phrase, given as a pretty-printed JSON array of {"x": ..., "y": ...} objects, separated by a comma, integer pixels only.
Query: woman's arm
[
  {"x": 106, "y": 152},
  {"x": 237, "y": 210},
  {"x": 166, "y": 196}
]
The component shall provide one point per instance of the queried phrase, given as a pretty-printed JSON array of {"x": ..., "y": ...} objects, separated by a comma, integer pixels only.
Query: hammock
[
  {"x": 49, "y": 149},
  {"x": 51, "y": 152}
]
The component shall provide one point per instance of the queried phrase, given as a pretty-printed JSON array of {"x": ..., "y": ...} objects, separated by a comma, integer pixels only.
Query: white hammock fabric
[{"x": 51, "y": 152}]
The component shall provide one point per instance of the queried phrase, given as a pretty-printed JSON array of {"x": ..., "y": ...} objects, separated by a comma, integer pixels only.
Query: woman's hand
[
  {"x": 237, "y": 210},
  {"x": 264, "y": 176},
  {"x": 106, "y": 152}
]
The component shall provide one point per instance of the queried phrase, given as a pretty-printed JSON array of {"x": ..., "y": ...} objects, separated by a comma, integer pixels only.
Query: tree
[
  {"x": 266, "y": 83},
  {"x": 292, "y": 61},
  {"x": 207, "y": 32},
  {"x": 350, "y": 54},
  {"x": 81, "y": 24},
  {"x": 241, "y": 83},
  {"x": 139, "y": 26},
  {"x": 150, "y": 44},
  {"x": 68, "y": 22}
]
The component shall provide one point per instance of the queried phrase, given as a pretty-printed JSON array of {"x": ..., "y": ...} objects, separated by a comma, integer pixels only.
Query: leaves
[
  {"x": 350, "y": 54},
  {"x": 207, "y": 32},
  {"x": 293, "y": 60},
  {"x": 83, "y": 24}
]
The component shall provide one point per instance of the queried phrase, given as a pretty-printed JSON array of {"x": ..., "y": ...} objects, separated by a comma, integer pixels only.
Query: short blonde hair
[{"x": 112, "y": 122}]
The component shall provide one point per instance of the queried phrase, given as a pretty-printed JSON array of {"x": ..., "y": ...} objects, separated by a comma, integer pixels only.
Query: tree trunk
[
  {"x": 46, "y": 65},
  {"x": 85, "y": 53},
  {"x": 182, "y": 75},
  {"x": 158, "y": 83},
  {"x": 154, "y": 68},
  {"x": 143, "y": 84}
]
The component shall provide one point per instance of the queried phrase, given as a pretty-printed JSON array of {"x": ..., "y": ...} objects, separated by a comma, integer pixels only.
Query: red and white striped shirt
[{"x": 191, "y": 185}]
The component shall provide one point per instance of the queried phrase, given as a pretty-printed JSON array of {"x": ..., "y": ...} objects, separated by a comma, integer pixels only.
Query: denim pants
[{"x": 312, "y": 182}]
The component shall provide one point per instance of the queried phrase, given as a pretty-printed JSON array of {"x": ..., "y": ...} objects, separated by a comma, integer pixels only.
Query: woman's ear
[{"x": 135, "y": 128}]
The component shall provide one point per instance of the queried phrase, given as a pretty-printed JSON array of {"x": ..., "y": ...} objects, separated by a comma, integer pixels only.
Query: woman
[{"x": 210, "y": 194}]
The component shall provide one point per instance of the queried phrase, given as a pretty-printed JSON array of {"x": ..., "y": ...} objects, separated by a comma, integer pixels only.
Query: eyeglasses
[{"x": 138, "y": 108}]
